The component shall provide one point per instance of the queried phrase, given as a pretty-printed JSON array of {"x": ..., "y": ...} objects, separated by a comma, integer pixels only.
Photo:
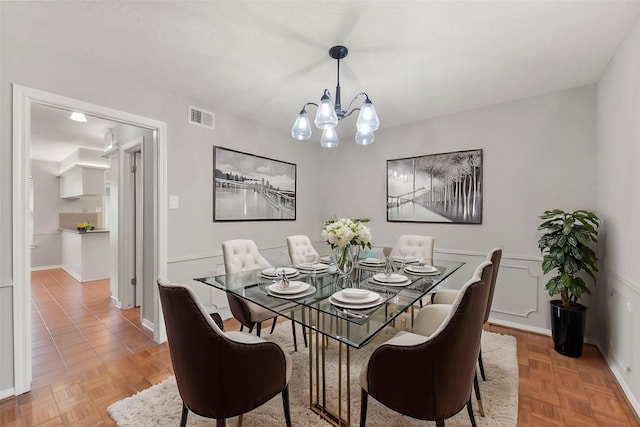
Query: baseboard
[
  {"x": 71, "y": 273},
  {"x": 520, "y": 326},
  {"x": 48, "y": 267},
  {"x": 8, "y": 392},
  {"x": 613, "y": 367},
  {"x": 147, "y": 324}
]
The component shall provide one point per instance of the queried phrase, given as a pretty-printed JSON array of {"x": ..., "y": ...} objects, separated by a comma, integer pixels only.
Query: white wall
[
  {"x": 618, "y": 147},
  {"x": 538, "y": 154}
]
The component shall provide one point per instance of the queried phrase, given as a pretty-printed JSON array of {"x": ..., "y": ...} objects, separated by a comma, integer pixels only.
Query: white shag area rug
[{"x": 160, "y": 405}]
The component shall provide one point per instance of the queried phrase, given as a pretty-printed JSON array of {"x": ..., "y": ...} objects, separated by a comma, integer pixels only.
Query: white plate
[
  {"x": 271, "y": 272},
  {"x": 424, "y": 269},
  {"x": 310, "y": 291},
  {"x": 393, "y": 278},
  {"x": 294, "y": 287},
  {"x": 341, "y": 297},
  {"x": 415, "y": 273},
  {"x": 337, "y": 303},
  {"x": 307, "y": 266},
  {"x": 372, "y": 261},
  {"x": 356, "y": 293},
  {"x": 375, "y": 282},
  {"x": 407, "y": 258}
]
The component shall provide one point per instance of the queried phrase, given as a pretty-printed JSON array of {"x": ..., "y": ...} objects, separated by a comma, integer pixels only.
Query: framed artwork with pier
[
  {"x": 247, "y": 187},
  {"x": 439, "y": 188}
]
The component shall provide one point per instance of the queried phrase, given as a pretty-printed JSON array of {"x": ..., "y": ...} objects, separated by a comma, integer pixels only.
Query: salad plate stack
[
  {"x": 422, "y": 270},
  {"x": 291, "y": 289},
  {"x": 356, "y": 299},
  {"x": 277, "y": 272},
  {"x": 390, "y": 279},
  {"x": 309, "y": 267}
]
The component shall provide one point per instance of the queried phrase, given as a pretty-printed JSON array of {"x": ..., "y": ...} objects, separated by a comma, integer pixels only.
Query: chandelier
[{"x": 329, "y": 114}]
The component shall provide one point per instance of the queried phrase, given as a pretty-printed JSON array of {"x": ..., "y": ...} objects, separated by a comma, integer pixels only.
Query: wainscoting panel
[
  {"x": 620, "y": 329},
  {"x": 184, "y": 270},
  {"x": 620, "y": 342},
  {"x": 517, "y": 289}
]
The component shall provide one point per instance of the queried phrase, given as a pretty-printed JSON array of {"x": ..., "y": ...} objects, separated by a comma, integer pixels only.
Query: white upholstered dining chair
[
  {"x": 241, "y": 255},
  {"x": 300, "y": 248},
  {"x": 415, "y": 245}
]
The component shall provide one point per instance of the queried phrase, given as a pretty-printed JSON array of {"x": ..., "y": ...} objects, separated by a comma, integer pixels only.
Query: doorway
[{"x": 154, "y": 182}]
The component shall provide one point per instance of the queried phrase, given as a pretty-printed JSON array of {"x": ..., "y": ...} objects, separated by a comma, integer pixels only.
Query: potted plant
[{"x": 566, "y": 241}]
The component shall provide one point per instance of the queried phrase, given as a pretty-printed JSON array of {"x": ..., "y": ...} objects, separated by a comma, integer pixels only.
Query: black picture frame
[
  {"x": 436, "y": 188},
  {"x": 248, "y": 187}
]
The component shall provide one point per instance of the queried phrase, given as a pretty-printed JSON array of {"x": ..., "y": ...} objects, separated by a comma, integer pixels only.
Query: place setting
[
  {"x": 349, "y": 301},
  {"x": 390, "y": 279},
  {"x": 290, "y": 289},
  {"x": 278, "y": 272},
  {"x": 372, "y": 262},
  {"x": 421, "y": 270},
  {"x": 405, "y": 259},
  {"x": 310, "y": 267}
]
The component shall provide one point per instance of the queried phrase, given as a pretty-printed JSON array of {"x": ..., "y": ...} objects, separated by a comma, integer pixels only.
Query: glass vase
[{"x": 346, "y": 258}]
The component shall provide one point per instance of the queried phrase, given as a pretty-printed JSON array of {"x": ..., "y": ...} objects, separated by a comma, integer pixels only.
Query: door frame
[
  {"x": 127, "y": 245},
  {"x": 23, "y": 98}
]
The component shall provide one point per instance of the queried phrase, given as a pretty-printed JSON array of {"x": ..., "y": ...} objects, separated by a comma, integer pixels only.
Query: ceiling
[
  {"x": 54, "y": 136},
  {"x": 264, "y": 59}
]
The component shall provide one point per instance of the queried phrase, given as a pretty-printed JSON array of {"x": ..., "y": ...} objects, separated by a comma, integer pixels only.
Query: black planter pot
[{"x": 567, "y": 328}]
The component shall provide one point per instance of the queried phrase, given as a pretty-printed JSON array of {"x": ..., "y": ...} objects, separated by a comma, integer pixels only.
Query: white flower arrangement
[{"x": 340, "y": 233}]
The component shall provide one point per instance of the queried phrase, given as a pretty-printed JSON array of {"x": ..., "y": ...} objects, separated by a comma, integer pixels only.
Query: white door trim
[
  {"x": 23, "y": 97},
  {"x": 126, "y": 222}
]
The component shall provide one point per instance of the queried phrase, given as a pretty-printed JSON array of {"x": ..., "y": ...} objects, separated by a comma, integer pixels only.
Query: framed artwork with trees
[
  {"x": 440, "y": 188},
  {"x": 247, "y": 187}
]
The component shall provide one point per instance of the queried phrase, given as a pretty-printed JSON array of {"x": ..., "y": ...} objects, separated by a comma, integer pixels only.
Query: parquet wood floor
[{"x": 88, "y": 354}]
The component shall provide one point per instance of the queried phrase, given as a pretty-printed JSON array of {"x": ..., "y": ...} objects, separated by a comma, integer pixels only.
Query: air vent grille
[{"x": 200, "y": 117}]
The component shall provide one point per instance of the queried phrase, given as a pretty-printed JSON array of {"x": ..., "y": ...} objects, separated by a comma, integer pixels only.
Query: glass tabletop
[{"x": 318, "y": 302}]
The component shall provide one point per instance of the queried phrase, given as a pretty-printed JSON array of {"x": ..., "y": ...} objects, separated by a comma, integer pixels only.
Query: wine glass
[
  {"x": 311, "y": 259},
  {"x": 403, "y": 258},
  {"x": 388, "y": 266}
]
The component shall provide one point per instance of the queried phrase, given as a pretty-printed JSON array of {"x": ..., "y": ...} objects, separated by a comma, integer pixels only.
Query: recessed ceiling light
[{"x": 78, "y": 117}]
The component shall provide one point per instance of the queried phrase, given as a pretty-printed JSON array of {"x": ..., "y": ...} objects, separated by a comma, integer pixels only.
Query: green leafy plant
[{"x": 566, "y": 241}]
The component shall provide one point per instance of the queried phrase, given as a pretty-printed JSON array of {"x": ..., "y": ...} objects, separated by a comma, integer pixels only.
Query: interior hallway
[{"x": 87, "y": 354}]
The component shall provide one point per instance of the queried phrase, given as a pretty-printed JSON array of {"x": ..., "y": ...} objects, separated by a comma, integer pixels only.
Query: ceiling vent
[{"x": 200, "y": 117}]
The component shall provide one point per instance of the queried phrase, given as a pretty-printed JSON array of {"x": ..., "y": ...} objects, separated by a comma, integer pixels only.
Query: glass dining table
[{"x": 325, "y": 313}]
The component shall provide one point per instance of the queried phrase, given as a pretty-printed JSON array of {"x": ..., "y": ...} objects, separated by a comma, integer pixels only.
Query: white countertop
[{"x": 95, "y": 230}]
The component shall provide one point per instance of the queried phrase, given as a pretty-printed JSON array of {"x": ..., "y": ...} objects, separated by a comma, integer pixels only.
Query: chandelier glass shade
[{"x": 328, "y": 114}]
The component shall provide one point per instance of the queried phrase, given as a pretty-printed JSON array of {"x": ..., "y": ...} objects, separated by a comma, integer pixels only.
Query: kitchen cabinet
[
  {"x": 85, "y": 256},
  {"x": 81, "y": 181}
]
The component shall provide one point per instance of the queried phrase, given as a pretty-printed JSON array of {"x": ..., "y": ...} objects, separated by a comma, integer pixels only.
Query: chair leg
[
  {"x": 285, "y": 404},
  {"x": 470, "y": 411},
  {"x": 240, "y": 420},
  {"x": 295, "y": 340},
  {"x": 363, "y": 407},
  {"x": 185, "y": 414},
  {"x": 221, "y": 422},
  {"x": 439, "y": 423},
  {"x": 273, "y": 326},
  {"x": 476, "y": 387},
  {"x": 304, "y": 336},
  {"x": 484, "y": 378},
  {"x": 258, "y": 328},
  {"x": 242, "y": 327}
]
